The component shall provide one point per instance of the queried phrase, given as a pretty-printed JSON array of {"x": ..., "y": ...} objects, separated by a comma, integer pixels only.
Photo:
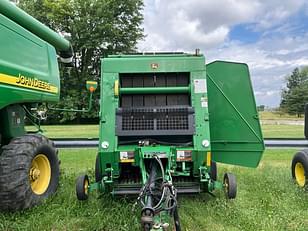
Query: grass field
[
  {"x": 267, "y": 200},
  {"x": 267, "y": 115},
  {"x": 69, "y": 131},
  {"x": 282, "y": 131}
]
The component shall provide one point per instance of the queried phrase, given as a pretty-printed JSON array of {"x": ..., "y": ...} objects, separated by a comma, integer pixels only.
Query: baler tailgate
[{"x": 236, "y": 136}]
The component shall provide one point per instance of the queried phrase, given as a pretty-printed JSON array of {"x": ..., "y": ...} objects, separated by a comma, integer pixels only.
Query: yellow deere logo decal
[{"x": 27, "y": 82}]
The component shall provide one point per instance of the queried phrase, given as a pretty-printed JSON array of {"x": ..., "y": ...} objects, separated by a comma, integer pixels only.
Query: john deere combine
[
  {"x": 29, "y": 76},
  {"x": 165, "y": 120}
]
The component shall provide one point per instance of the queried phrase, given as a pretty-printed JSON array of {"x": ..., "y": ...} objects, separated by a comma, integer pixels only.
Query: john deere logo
[
  {"x": 32, "y": 82},
  {"x": 154, "y": 65}
]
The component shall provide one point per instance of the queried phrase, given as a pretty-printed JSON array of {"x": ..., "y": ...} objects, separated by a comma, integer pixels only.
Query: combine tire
[
  {"x": 82, "y": 185},
  {"x": 230, "y": 185},
  {"x": 299, "y": 168},
  {"x": 29, "y": 172}
]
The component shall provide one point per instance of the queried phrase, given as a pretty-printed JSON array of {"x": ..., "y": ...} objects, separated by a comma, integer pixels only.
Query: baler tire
[
  {"x": 29, "y": 172},
  {"x": 82, "y": 184},
  {"x": 176, "y": 217},
  {"x": 213, "y": 172},
  {"x": 299, "y": 168},
  {"x": 98, "y": 172},
  {"x": 230, "y": 185}
]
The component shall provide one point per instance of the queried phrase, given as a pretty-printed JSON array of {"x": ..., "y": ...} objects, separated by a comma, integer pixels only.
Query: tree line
[
  {"x": 95, "y": 29},
  {"x": 295, "y": 95}
]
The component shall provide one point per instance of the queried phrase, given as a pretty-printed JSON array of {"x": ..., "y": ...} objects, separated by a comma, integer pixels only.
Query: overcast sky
[{"x": 270, "y": 36}]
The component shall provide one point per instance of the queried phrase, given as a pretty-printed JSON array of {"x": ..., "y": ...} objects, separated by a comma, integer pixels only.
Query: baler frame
[{"x": 144, "y": 136}]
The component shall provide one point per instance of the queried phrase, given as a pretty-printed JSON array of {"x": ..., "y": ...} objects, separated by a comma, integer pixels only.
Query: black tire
[
  {"x": 18, "y": 186},
  {"x": 98, "y": 172},
  {"x": 213, "y": 172},
  {"x": 230, "y": 185},
  {"x": 306, "y": 121},
  {"x": 176, "y": 218},
  {"x": 299, "y": 168},
  {"x": 82, "y": 184}
]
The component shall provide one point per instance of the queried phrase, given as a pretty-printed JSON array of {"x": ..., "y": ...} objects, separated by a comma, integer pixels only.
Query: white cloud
[
  {"x": 189, "y": 24},
  {"x": 269, "y": 60},
  {"x": 181, "y": 25}
]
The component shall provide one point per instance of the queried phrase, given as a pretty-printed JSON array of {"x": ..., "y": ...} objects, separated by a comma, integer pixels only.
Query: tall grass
[{"x": 267, "y": 200}]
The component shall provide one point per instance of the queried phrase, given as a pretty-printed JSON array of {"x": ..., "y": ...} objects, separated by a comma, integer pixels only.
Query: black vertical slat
[
  {"x": 161, "y": 100},
  {"x": 148, "y": 81},
  {"x": 138, "y": 99},
  {"x": 126, "y": 101},
  {"x": 172, "y": 99},
  {"x": 182, "y": 79},
  {"x": 183, "y": 99},
  {"x": 137, "y": 81},
  {"x": 126, "y": 80},
  {"x": 149, "y": 100},
  {"x": 171, "y": 80},
  {"x": 160, "y": 80}
]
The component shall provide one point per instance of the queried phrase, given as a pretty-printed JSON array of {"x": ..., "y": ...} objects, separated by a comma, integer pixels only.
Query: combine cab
[
  {"x": 29, "y": 76},
  {"x": 165, "y": 120}
]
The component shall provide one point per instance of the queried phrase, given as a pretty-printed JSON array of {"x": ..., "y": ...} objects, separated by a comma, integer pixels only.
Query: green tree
[
  {"x": 261, "y": 107},
  {"x": 96, "y": 29},
  {"x": 295, "y": 95},
  {"x": 294, "y": 80}
]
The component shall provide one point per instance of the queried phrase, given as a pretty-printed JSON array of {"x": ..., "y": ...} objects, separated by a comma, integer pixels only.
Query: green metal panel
[
  {"x": 236, "y": 136},
  {"x": 28, "y": 66},
  {"x": 152, "y": 63},
  {"x": 199, "y": 98},
  {"x": 17, "y": 15}
]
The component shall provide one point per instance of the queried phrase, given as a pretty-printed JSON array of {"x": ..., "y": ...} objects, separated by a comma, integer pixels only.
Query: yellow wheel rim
[
  {"x": 226, "y": 183},
  {"x": 300, "y": 174},
  {"x": 40, "y": 174},
  {"x": 86, "y": 187}
]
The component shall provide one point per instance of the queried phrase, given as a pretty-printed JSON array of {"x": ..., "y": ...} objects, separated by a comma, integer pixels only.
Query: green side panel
[
  {"x": 17, "y": 15},
  {"x": 236, "y": 136},
  {"x": 25, "y": 55}
]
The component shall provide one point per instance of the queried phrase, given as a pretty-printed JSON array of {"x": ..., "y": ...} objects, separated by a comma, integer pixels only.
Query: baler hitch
[{"x": 158, "y": 199}]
